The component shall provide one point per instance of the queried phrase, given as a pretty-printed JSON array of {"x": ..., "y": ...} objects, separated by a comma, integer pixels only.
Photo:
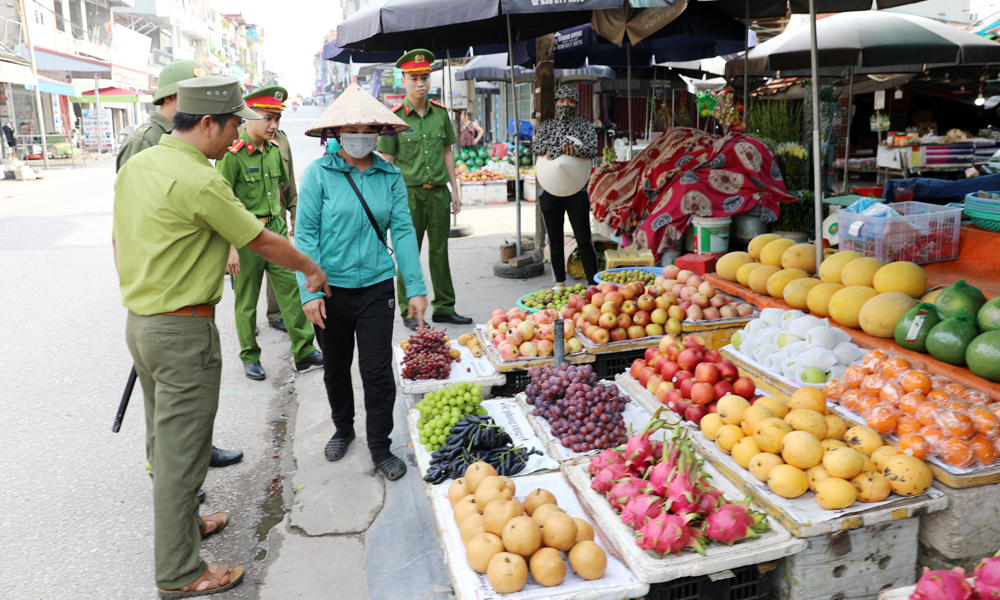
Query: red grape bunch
[
  {"x": 426, "y": 356},
  {"x": 585, "y": 416}
]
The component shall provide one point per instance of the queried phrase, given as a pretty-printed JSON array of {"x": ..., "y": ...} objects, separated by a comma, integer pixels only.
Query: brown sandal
[
  {"x": 211, "y": 581},
  {"x": 214, "y": 523}
]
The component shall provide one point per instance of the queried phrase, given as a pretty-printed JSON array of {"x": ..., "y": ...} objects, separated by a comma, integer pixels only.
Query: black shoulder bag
[{"x": 371, "y": 217}]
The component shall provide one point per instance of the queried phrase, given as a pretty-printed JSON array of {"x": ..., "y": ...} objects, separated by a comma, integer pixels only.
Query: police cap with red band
[
  {"x": 268, "y": 98},
  {"x": 416, "y": 61}
]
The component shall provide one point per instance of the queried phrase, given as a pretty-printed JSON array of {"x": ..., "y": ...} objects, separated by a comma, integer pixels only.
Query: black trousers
[
  {"x": 366, "y": 314},
  {"x": 577, "y": 208}
]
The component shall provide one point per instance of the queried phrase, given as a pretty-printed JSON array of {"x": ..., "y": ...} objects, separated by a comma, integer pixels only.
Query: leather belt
[
  {"x": 198, "y": 310},
  {"x": 428, "y": 186},
  {"x": 265, "y": 220}
]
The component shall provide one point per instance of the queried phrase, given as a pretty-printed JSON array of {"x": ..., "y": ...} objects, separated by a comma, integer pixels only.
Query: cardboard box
[{"x": 495, "y": 192}]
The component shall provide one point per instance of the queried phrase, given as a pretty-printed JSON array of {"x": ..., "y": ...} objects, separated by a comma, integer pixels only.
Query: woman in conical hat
[{"x": 346, "y": 229}]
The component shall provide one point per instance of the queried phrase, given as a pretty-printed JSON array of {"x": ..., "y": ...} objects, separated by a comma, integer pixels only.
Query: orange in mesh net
[
  {"x": 866, "y": 403},
  {"x": 873, "y": 360},
  {"x": 911, "y": 401},
  {"x": 956, "y": 388},
  {"x": 850, "y": 399},
  {"x": 939, "y": 395},
  {"x": 895, "y": 367},
  {"x": 939, "y": 381},
  {"x": 956, "y": 452},
  {"x": 872, "y": 385},
  {"x": 854, "y": 375},
  {"x": 891, "y": 393},
  {"x": 976, "y": 397},
  {"x": 955, "y": 424},
  {"x": 926, "y": 413},
  {"x": 882, "y": 419},
  {"x": 915, "y": 445},
  {"x": 916, "y": 381},
  {"x": 907, "y": 424},
  {"x": 987, "y": 424},
  {"x": 932, "y": 433},
  {"x": 986, "y": 453},
  {"x": 834, "y": 389}
]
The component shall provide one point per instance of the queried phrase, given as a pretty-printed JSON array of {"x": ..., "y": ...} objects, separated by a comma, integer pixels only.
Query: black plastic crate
[
  {"x": 748, "y": 583},
  {"x": 609, "y": 364},
  {"x": 517, "y": 381}
]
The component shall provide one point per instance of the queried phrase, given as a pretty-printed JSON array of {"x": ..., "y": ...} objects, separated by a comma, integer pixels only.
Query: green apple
[
  {"x": 736, "y": 340},
  {"x": 813, "y": 375}
]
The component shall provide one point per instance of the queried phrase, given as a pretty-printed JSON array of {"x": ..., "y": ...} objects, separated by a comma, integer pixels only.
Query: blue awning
[
  {"x": 52, "y": 87},
  {"x": 50, "y": 60}
]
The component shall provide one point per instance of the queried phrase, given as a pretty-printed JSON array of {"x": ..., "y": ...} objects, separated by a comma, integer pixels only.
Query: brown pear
[
  {"x": 507, "y": 572},
  {"x": 559, "y": 531},
  {"x": 521, "y": 535},
  {"x": 584, "y": 530},
  {"x": 498, "y": 512},
  {"x": 588, "y": 560},
  {"x": 481, "y": 549},
  {"x": 472, "y": 526},
  {"x": 465, "y": 507},
  {"x": 493, "y": 487},
  {"x": 475, "y": 473},
  {"x": 537, "y": 498},
  {"x": 457, "y": 491},
  {"x": 542, "y": 512},
  {"x": 547, "y": 567}
]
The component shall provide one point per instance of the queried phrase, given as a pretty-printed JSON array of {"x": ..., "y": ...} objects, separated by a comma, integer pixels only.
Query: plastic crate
[
  {"x": 747, "y": 583},
  {"x": 609, "y": 364},
  {"x": 924, "y": 233},
  {"x": 699, "y": 264},
  {"x": 517, "y": 381}
]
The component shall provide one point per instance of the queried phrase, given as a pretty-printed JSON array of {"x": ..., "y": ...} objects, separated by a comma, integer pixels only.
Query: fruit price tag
[{"x": 918, "y": 322}]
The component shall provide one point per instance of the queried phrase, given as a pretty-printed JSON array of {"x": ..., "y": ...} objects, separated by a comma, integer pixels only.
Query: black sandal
[
  {"x": 393, "y": 468},
  {"x": 336, "y": 448}
]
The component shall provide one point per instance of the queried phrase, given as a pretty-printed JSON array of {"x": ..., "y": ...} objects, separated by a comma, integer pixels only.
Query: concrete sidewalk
[{"x": 348, "y": 532}]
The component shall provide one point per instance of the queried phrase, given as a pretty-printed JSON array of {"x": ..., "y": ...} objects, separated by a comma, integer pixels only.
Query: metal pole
[
  {"x": 673, "y": 106},
  {"x": 817, "y": 164},
  {"x": 628, "y": 84},
  {"x": 517, "y": 177},
  {"x": 559, "y": 348},
  {"x": 454, "y": 218},
  {"x": 746, "y": 71},
  {"x": 97, "y": 100},
  {"x": 847, "y": 140},
  {"x": 38, "y": 92}
]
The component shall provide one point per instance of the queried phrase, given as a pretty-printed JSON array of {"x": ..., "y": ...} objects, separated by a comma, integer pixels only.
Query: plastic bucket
[
  {"x": 711, "y": 236},
  {"x": 747, "y": 227}
]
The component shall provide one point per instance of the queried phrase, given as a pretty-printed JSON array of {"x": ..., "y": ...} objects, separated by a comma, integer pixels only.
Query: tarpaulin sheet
[{"x": 927, "y": 190}]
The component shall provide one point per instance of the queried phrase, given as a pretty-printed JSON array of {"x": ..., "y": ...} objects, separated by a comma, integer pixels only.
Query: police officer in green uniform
[
  {"x": 174, "y": 219},
  {"x": 161, "y": 122},
  {"x": 254, "y": 168},
  {"x": 148, "y": 135},
  {"x": 288, "y": 198},
  {"x": 425, "y": 157}
]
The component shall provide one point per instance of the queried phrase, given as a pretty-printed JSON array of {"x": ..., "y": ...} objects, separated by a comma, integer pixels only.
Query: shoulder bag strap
[{"x": 371, "y": 217}]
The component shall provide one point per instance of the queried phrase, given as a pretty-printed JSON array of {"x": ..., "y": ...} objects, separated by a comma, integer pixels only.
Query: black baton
[{"x": 126, "y": 395}]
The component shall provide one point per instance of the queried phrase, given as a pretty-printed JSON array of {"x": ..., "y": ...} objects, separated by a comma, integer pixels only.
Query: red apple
[
  {"x": 728, "y": 371},
  {"x": 624, "y": 321},
  {"x": 641, "y": 318},
  {"x": 695, "y": 341},
  {"x": 712, "y": 356},
  {"x": 651, "y": 354},
  {"x": 669, "y": 369},
  {"x": 608, "y": 321},
  {"x": 592, "y": 314},
  {"x": 672, "y": 398},
  {"x": 713, "y": 407},
  {"x": 618, "y": 334},
  {"x": 663, "y": 390},
  {"x": 663, "y": 302},
  {"x": 671, "y": 271},
  {"x": 682, "y": 375},
  {"x": 689, "y": 359},
  {"x": 755, "y": 398},
  {"x": 695, "y": 413},
  {"x": 681, "y": 405},
  {"x": 706, "y": 372},
  {"x": 600, "y": 336},
  {"x": 646, "y": 302},
  {"x": 653, "y": 382},
  {"x": 687, "y": 385},
  {"x": 702, "y": 393},
  {"x": 589, "y": 293},
  {"x": 637, "y": 366},
  {"x": 615, "y": 297},
  {"x": 597, "y": 299},
  {"x": 635, "y": 332},
  {"x": 629, "y": 307},
  {"x": 610, "y": 287},
  {"x": 673, "y": 350},
  {"x": 645, "y": 374},
  {"x": 610, "y": 308},
  {"x": 722, "y": 388},
  {"x": 627, "y": 292},
  {"x": 744, "y": 387}
]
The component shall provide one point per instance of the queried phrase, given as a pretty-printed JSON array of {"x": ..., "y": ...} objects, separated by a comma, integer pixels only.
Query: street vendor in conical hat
[
  {"x": 565, "y": 147},
  {"x": 350, "y": 203}
]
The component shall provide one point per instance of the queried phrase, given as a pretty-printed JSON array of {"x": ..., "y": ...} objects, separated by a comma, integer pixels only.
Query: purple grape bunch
[
  {"x": 583, "y": 414},
  {"x": 426, "y": 356}
]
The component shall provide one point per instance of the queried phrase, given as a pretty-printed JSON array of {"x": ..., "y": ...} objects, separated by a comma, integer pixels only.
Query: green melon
[
  {"x": 989, "y": 315},
  {"x": 949, "y": 339},
  {"x": 983, "y": 356},
  {"x": 915, "y": 325},
  {"x": 959, "y": 295}
]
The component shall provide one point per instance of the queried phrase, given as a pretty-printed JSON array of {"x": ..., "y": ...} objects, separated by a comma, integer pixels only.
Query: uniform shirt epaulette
[
  {"x": 275, "y": 142},
  {"x": 236, "y": 147},
  {"x": 397, "y": 107},
  {"x": 437, "y": 103}
]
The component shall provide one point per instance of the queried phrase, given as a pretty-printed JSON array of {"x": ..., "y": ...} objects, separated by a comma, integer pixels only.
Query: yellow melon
[
  {"x": 860, "y": 271},
  {"x": 757, "y": 244},
  {"x": 830, "y": 270},
  {"x": 743, "y": 273},
  {"x": 846, "y": 304},
  {"x": 905, "y": 277},
  {"x": 818, "y": 298},
  {"x": 931, "y": 296},
  {"x": 879, "y": 315},
  {"x": 777, "y": 282},
  {"x": 728, "y": 265},
  {"x": 800, "y": 256},
  {"x": 759, "y": 276},
  {"x": 797, "y": 291},
  {"x": 771, "y": 253}
]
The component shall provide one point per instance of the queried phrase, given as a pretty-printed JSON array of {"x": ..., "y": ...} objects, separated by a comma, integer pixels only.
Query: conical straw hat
[
  {"x": 355, "y": 107},
  {"x": 564, "y": 176}
]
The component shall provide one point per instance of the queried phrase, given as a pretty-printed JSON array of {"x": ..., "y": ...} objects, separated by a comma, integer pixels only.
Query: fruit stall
[{"x": 429, "y": 361}]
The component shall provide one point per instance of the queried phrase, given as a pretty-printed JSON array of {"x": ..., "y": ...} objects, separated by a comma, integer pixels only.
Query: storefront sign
[
  {"x": 880, "y": 100},
  {"x": 57, "y": 120},
  {"x": 160, "y": 58},
  {"x": 129, "y": 48},
  {"x": 394, "y": 99},
  {"x": 129, "y": 78},
  {"x": 91, "y": 132}
]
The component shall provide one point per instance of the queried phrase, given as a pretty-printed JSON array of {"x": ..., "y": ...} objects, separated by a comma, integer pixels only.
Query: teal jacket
[{"x": 331, "y": 226}]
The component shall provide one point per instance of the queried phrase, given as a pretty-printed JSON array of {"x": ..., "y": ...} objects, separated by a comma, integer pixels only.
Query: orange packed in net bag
[
  {"x": 986, "y": 453},
  {"x": 956, "y": 389},
  {"x": 854, "y": 375},
  {"x": 882, "y": 418},
  {"x": 894, "y": 367},
  {"x": 916, "y": 381},
  {"x": 872, "y": 385},
  {"x": 955, "y": 424},
  {"x": 911, "y": 401},
  {"x": 976, "y": 397},
  {"x": 866, "y": 403},
  {"x": 955, "y": 451},
  {"x": 915, "y": 445},
  {"x": 834, "y": 389},
  {"x": 932, "y": 433},
  {"x": 850, "y": 399},
  {"x": 987, "y": 424},
  {"x": 995, "y": 409},
  {"x": 907, "y": 424},
  {"x": 939, "y": 395},
  {"x": 938, "y": 382},
  {"x": 891, "y": 393},
  {"x": 927, "y": 413},
  {"x": 872, "y": 361}
]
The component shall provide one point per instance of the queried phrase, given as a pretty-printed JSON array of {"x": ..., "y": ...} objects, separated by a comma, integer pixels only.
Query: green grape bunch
[{"x": 441, "y": 410}]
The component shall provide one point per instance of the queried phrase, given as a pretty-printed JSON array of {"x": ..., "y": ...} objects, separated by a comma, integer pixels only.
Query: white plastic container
[{"x": 711, "y": 236}]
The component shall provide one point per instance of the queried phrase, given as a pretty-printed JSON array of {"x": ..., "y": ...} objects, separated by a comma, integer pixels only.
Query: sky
[{"x": 294, "y": 30}]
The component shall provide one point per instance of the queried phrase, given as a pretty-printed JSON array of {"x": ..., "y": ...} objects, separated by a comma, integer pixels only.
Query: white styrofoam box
[
  {"x": 530, "y": 189},
  {"x": 968, "y": 527},
  {"x": 495, "y": 192},
  {"x": 473, "y": 193}
]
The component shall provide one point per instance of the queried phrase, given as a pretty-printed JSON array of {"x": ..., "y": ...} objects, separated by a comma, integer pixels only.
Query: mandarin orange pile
[{"x": 931, "y": 416}]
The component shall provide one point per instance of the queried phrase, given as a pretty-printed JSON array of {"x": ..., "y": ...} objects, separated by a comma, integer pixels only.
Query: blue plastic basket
[
  {"x": 653, "y": 270},
  {"x": 986, "y": 202}
]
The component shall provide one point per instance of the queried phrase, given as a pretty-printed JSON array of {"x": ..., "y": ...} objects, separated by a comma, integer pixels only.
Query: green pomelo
[
  {"x": 983, "y": 356},
  {"x": 989, "y": 315},
  {"x": 949, "y": 339},
  {"x": 960, "y": 295},
  {"x": 915, "y": 325}
]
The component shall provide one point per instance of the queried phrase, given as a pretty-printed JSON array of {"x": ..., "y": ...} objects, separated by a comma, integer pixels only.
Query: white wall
[{"x": 949, "y": 10}]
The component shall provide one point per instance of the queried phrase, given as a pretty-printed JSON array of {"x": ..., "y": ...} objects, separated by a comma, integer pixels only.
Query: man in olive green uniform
[
  {"x": 174, "y": 220},
  {"x": 254, "y": 168},
  {"x": 425, "y": 157},
  {"x": 148, "y": 135},
  {"x": 288, "y": 198}
]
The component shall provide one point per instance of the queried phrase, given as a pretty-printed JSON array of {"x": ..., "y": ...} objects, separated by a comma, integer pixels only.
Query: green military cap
[
  {"x": 268, "y": 98},
  {"x": 175, "y": 72},
  {"x": 213, "y": 95},
  {"x": 416, "y": 61}
]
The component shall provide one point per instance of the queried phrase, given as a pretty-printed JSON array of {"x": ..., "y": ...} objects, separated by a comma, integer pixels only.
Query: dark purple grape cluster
[
  {"x": 583, "y": 415},
  {"x": 426, "y": 356}
]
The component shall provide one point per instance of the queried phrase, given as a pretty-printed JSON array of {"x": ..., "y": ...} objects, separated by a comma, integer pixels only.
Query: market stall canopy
[
  {"x": 871, "y": 41},
  {"x": 51, "y": 86},
  {"x": 112, "y": 94},
  {"x": 15, "y": 73},
  {"x": 779, "y": 8},
  {"x": 643, "y": 81},
  {"x": 495, "y": 67}
]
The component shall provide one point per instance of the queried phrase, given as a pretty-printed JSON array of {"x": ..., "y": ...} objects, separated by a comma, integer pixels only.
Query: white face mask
[{"x": 358, "y": 145}]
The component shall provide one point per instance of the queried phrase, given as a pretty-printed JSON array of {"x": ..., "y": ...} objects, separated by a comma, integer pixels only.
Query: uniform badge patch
[
  {"x": 392, "y": 304},
  {"x": 253, "y": 169}
]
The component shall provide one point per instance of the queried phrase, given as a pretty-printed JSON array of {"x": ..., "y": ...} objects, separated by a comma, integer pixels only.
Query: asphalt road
[{"x": 75, "y": 500}]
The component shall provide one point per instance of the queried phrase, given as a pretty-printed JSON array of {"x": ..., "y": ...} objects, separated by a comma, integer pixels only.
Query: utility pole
[
  {"x": 34, "y": 74},
  {"x": 545, "y": 107}
]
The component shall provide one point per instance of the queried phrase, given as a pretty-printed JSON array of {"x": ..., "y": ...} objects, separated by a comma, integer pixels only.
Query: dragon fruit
[
  {"x": 711, "y": 499},
  {"x": 608, "y": 477},
  {"x": 988, "y": 578},
  {"x": 943, "y": 585},
  {"x": 641, "y": 509},
  {"x": 665, "y": 534},
  {"x": 732, "y": 523},
  {"x": 639, "y": 448},
  {"x": 657, "y": 451},
  {"x": 623, "y": 491},
  {"x": 605, "y": 459},
  {"x": 683, "y": 493}
]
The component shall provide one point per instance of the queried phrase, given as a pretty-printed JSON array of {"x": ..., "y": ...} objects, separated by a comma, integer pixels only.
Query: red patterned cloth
[{"x": 685, "y": 173}]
